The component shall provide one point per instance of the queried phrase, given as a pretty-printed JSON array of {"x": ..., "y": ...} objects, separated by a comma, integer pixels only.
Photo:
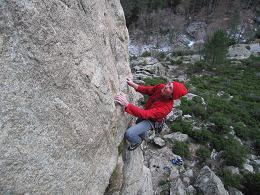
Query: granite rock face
[{"x": 62, "y": 62}]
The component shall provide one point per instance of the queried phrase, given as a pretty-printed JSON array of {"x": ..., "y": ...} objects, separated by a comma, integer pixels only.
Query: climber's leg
[{"x": 136, "y": 133}]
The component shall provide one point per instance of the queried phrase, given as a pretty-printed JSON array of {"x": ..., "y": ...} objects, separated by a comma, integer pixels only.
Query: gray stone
[
  {"x": 191, "y": 190},
  {"x": 159, "y": 163},
  {"x": 62, "y": 63},
  {"x": 165, "y": 129},
  {"x": 190, "y": 96},
  {"x": 177, "y": 187},
  {"x": 177, "y": 136},
  {"x": 197, "y": 30},
  {"x": 186, "y": 180},
  {"x": 146, "y": 183},
  {"x": 186, "y": 117},
  {"x": 159, "y": 141},
  {"x": 177, "y": 103},
  {"x": 144, "y": 67},
  {"x": 209, "y": 183},
  {"x": 174, "y": 114},
  {"x": 234, "y": 191},
  {"x": 238, "y": 52},
  {"x": 188, "y": 173},
  {"x": 232, "y": 169},
  {"x": 248, "y": 167},
  {"x": 116, "y": 180},
  {"x": 257, "y": 162},
  {"x": 136, "y": 175},
  {"x": 175, "y": 173},
  {"x": 252, "y": 157}
]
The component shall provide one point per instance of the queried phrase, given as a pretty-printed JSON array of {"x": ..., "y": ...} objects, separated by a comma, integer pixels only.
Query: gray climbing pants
[{"x": 139, "y": 132}]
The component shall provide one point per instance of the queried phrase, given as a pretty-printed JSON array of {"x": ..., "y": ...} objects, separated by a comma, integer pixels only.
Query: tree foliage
[{"x": 216, "y": 48}]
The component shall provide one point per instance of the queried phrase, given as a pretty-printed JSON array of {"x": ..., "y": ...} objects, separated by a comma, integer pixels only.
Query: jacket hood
[{"x": 179, "y": 90}]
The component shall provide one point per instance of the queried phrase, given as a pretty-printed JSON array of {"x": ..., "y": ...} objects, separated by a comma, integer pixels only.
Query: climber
[{"x": 158, "y": 106}]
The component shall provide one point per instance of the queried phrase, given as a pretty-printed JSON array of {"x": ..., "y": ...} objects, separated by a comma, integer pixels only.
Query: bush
[
  {"x": 159, "y": 55},
  {"x": 199, "y": 110},
  {"x": 251, "y": 183},
  {"x": 231, "y": 180},
  {"x": 198, "y": 67},
  {"x": 203, "y": 153},
  {"x": 181, "y": 149},
  {"x": 241, "y": 130},
  {"x": 146, "y": 54},
  {"x": 202, "y": 136},
  {"x": 234, "y": 153},
  {"x": 182, "y": 126},
  {"x": 221, "y": 123}
]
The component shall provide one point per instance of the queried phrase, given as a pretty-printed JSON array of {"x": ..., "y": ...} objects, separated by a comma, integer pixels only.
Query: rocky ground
[{"x": 192, "y": 176}]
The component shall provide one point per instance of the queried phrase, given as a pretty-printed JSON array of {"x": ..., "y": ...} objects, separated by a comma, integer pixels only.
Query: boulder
[
  {"x": 209, "y": 183},
  {"x": 147, "y": 66},
  {"x": 137, "y": 177},
  {"x": 177, "y": 187},
  {"x": 188, "y": 173},
  {"x": 191, "y": 190},
  {"x": 62, "y": 63},
  {"x": 146, "y": 182},
  {"x": 248, "y": 167},
  {"x": 234, "y": 191},
  {"x": 174, "y": 114},
  {"x": 159, "y": 141},
  {"x": 177, "y": 136},
  {"x": 238, "y": 52},
  {"x": 159, "y": 163}
]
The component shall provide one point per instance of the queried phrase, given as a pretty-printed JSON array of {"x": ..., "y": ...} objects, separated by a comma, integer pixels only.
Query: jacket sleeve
[
  {"x": 148, "y": 90},
  {"x": 153, "y": 113}
]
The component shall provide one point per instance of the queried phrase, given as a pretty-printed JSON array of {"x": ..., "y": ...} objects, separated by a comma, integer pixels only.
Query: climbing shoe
[{"x": 134, "y": 146}]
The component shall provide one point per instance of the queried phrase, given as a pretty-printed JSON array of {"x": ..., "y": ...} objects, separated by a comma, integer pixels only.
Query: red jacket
[{"x": 157, "y": 107}]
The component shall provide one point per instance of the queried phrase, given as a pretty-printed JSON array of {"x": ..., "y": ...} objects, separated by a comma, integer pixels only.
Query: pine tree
[{"x": 216, "y": 48}]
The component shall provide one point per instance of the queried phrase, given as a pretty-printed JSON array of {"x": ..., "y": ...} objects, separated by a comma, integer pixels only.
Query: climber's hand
[
  {"x": 131, "y": 83},
  {"x": 121, "y": 99}
]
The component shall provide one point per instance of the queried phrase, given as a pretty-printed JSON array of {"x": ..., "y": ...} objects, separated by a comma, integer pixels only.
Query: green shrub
[
  {"x": 221, "y": 122},
  {"x": 181, "y": 149},
  {"x": 251, "y": 183},
  {"x": 197, "y": 67},
  {"x": 160, "y": 55},
  {"x": 218, "y": 142},
  {"x": 182, "y": 126},
  {"x": 231, "y": 180},
  {"x": 165, "y": 186},
  {"x": 146, "y": 54},
  {"x": 203, "y": 153},
  {"x": 202, "y": 136},
  {"x": 179, "y": 61},
  {"x": 199, "y": 110},
  {"x": 241, "y": 130},
  {"x": 234, "y": 153}
]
